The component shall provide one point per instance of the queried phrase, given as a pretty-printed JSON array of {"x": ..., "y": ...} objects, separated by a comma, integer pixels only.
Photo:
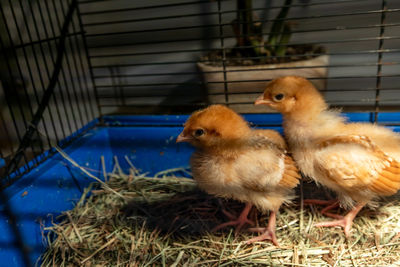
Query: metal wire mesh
[
  {"x": 144, "y": 55},
  {"x": 30, "y": 35}
]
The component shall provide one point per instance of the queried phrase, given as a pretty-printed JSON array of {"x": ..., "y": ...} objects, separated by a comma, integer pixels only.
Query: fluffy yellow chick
[
  {"x": 234, "y": 161},
  {"x": 359, "y": 161}
]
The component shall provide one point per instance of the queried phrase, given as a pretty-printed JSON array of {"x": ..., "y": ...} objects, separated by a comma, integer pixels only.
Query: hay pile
[{"x": 165, "y": 221}]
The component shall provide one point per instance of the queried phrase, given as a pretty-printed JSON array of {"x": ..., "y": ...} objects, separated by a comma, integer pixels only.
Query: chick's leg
[
  {"x": 344, "y": 222},
  {"x": 334, "y": 205},
  {"x": 319, "y": 202},
  {"x": 268, "y": 233},
  {"x": 330, "y": 204},
  {"x": 239, "y": 222}
]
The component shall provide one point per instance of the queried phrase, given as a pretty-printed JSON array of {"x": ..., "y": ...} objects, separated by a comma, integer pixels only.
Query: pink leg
[
  {"x": 344, "y": 222},
  {"x": 334, "y": 205},
  {"x": 269, "y": 232},
  {"x": 330, "y": 204},
  {"x": 319, "y": 202},
  {"x": 239, "y": 222}
]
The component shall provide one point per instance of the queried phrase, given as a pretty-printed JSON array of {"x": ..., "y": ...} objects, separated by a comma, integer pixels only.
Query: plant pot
[{"x": 245, "y": 83}]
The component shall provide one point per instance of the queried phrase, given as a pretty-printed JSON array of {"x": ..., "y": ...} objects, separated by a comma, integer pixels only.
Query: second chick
[{"x": 234, "y": 161}]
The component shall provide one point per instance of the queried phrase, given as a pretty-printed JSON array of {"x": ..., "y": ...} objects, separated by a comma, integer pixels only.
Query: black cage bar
[
  {"x": 30, "y": 35},
  {"x": 144, "y": 55}
]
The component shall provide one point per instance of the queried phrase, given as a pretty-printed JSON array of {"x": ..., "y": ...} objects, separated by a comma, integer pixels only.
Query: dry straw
[{"x": 135, "y": 220}]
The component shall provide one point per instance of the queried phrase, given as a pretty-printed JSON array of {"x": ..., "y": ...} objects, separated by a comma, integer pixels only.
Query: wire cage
[{"x": 70, "y": 69}]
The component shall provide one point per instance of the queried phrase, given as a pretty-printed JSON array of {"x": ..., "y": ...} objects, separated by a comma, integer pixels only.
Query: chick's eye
[
  {"x": 278, "y": 97},
  {"x": 198, "y": 132}
]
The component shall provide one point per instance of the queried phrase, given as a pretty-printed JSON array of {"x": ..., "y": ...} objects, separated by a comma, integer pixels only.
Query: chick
[
  {"x": 234, "y": 161},
  {"x": 359, "y": 161}
]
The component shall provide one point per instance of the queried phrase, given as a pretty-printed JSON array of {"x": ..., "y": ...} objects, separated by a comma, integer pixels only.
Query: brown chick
[
  {"x": 359, "y": 161},
  {"x": 234, "y": 161}
]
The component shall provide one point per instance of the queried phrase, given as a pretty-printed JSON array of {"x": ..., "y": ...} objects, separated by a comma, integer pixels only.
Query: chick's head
[
  {"x": 214, "y": 126},
  {"x": 291, "y": 94}
]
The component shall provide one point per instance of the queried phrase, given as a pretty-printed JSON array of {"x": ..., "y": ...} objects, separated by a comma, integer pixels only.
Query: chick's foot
[
  {"x": 345, "y": 222},
  {"x": 267, "y": 233},
  {"x": 239, "y": 222}
]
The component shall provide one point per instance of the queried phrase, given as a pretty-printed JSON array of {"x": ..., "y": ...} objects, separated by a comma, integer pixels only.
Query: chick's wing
[
  {"x": 354, "y": 162},
  {"x": 266, "y": 167},
  {"x": 291, "y": 174}
]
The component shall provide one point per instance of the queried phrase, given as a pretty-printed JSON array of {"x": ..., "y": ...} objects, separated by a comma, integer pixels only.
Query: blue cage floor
[{"x": 148, "y": 141}]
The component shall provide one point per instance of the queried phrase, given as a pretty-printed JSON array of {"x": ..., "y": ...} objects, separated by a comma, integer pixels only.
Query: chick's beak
[
  {"x": 262, "y": 101},
  {"x": 183, "y": 138}
]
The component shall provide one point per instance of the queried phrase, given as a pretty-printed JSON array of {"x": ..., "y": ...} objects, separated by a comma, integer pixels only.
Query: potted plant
[{"x": 253, "y": 61}]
